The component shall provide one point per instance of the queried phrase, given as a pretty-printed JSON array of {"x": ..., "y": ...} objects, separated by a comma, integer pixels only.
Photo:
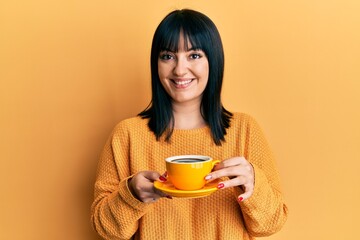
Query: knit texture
[{"x": 132, "y": 147}]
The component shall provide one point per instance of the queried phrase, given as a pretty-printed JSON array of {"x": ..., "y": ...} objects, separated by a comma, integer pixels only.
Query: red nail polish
[
  {"x": 162, "y": 179},
  {"x": 169, "y": 197},
  {"x": 220, "y": 185},
  {"x": 240, "y": 199}
]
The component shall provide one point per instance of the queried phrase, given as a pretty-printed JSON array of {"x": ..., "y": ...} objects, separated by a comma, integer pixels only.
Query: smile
[{"x": 182, "y": 83}]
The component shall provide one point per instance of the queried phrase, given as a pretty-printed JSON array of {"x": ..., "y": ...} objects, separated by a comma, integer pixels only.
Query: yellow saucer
[{"x": 168, "y": 188}]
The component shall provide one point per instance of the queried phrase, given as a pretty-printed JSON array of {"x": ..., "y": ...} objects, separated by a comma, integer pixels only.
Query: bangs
[
  {"x": 170, "y": 39},
  {"x": 199, "y": 33}
]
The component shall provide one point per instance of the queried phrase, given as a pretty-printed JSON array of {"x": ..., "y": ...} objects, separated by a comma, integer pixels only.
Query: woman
[{"x": 186, "y": 116}]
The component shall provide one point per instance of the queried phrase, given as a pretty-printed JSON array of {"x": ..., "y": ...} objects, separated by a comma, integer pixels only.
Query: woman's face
[{"x": 184, "y": 74}]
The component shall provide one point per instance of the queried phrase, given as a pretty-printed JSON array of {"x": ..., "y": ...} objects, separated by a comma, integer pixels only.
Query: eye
[
  {"x": 195, "y": 56},
  {"x": 165, "y": 56}
]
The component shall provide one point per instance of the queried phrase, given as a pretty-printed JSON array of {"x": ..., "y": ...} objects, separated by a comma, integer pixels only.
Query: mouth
[{"x": 182, "y": 83}]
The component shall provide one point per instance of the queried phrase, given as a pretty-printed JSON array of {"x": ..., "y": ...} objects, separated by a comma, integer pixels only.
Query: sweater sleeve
[
  {"x": 265, "y": 211},
  {"x": 115, "y": 212}
]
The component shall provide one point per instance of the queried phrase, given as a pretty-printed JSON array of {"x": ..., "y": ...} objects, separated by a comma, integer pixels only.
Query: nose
[{"x": 181, "y": 66}]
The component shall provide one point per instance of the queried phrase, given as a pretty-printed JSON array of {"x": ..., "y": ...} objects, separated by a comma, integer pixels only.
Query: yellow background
[{"x": 70, "y": 70}]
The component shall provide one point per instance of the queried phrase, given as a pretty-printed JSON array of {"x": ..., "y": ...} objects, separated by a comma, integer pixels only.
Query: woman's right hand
[{"x": 142, "y": 186}]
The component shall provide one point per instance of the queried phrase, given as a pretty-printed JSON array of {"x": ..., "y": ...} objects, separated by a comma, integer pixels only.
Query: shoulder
[
  {"x": 132, "y": 124},
  {"x": 244, "y": 122},
  {"x": 247, "y": 125},
  {"x": 240, "y": 118}
]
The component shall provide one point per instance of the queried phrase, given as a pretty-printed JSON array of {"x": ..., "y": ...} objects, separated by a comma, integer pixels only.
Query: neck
[{"x": 187, "y": 116}]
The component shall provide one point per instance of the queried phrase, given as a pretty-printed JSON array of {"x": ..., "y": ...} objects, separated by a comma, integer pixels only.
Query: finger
[
  {"x": 166, "y": 196},
  {"x": 228, "y": 172},
  {"x": 156, "y": 196},
  {"x": 151, "y": 175},
  {"x": 231, "y": 162},
  {"x": 149, "y": 197},
  {"x": 163, "y": 177},
  {"x": 238, "y": 181},
  {"x": 247, "y": 194},
  {"x": 150, "y": 200},
  {"x": 159, "y": 194}
]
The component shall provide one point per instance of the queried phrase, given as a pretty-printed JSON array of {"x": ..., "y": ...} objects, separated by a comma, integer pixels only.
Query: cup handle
[{"x": 214, "y": 162}]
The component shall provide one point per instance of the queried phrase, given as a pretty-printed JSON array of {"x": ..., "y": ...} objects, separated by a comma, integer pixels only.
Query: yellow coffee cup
[{"x": 187, "y": 172}]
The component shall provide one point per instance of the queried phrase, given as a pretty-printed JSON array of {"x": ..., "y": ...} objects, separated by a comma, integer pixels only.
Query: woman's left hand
[{"x": 240, "y": 172}]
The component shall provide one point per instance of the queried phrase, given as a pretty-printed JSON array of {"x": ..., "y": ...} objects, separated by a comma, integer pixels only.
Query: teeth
[{"x": 183, "y": 82}]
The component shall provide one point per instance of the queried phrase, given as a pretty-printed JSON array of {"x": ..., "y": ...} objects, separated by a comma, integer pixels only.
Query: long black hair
[{"x": 202, "y": 33}]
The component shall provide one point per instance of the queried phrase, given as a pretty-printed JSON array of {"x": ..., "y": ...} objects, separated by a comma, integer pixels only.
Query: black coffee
[{"x": 188, "y": 160}]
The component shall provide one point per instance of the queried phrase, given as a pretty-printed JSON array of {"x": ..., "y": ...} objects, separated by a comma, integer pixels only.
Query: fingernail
[
  {"x": 169, "y": 197},
  {"x": 220, "y": 185},
  {"x": 240, "y": 199},
  {"x": 208, "y": 177},
  {"x": 162, "y": 179}
]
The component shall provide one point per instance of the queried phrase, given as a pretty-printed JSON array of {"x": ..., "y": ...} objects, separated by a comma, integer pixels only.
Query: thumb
[
  {"x": 151, "y": 175},
  {"x": 163, "y": 178}
]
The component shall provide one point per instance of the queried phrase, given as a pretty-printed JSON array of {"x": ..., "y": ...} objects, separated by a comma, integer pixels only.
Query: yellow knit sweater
[{"x": 132, "y": 147}]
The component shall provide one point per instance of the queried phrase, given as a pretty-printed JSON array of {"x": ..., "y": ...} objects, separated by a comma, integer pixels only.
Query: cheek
[
  {"x": 203, "y": 72},
  {"x": 163, "y": 71},
  {"x": 161, "y": 76},
  {"x": 205, "y": 77},
  {"x": 203, "y": 68}
]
